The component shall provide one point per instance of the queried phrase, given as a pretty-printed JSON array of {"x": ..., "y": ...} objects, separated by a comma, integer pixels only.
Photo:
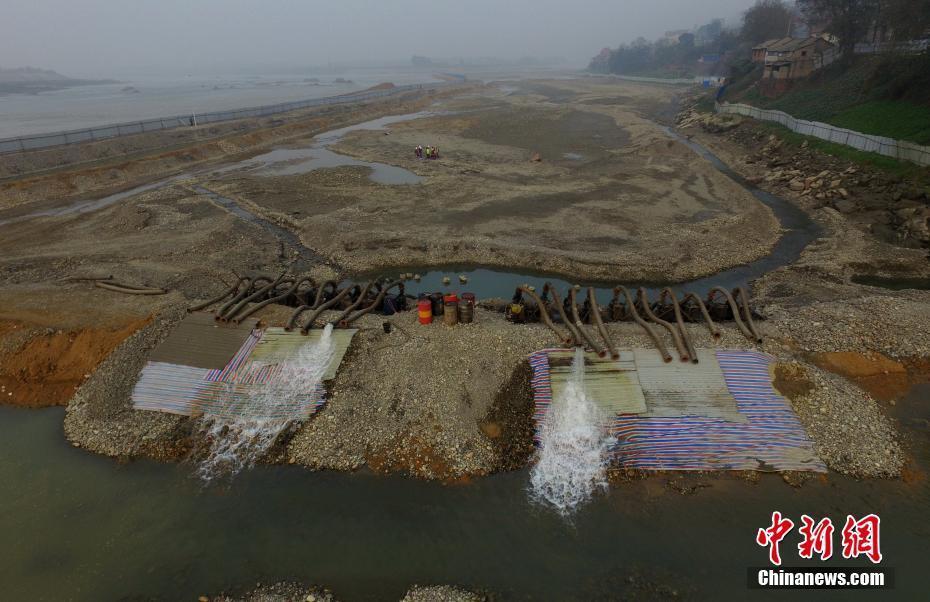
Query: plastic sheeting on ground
[
  {"x": 241, "y": 387},
  {"x": 768, "y": 436}
]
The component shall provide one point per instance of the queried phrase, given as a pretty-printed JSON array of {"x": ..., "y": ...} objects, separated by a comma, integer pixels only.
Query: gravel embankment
[
  {"x": 295, "y": 592},
  {"x": 418, "y": 399},
  {"x": 441, "y": 593},
  {"x": 100, "y": 417}
]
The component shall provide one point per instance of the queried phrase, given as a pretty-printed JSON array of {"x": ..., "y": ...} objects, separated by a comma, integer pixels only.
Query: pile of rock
[
  {"x": 709, "y": 122},
  {"x": 895, "y": 210}
]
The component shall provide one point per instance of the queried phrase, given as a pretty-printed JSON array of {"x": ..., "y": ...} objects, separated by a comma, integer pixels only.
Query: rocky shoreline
[{"x": 294, "y": 592}]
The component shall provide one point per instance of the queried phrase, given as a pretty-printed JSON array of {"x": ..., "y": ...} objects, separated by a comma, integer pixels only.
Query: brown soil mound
[
  {"x": 881, "y": 376},
  {"x": 792, "y": 381},
  {"x": 46, "y": 369}
]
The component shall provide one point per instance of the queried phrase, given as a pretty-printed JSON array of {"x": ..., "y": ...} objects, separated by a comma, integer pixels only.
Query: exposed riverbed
[{"x": 84, "y": 527}]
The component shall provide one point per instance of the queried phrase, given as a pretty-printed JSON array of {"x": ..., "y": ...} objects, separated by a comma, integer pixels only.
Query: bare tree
[
  {"x": 848, "y": 20},
  {"x": 904, "y": 20}
]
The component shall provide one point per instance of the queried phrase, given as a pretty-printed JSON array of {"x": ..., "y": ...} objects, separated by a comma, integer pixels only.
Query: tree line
[{"x": 847, "y": 21}]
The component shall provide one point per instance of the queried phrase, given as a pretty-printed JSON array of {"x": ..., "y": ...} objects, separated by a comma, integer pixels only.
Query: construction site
[{"x": 587, "y": 291}]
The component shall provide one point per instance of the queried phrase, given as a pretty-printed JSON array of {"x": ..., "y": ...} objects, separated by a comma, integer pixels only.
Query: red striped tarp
[
  {"x": 239, "y": 390},
  {"x": 772, "y": 439}
]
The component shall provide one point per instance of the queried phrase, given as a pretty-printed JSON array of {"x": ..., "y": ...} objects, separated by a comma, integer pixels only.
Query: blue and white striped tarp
[
  {"x": 772, "y": 439},
  {"x": 239, "y": 390}
]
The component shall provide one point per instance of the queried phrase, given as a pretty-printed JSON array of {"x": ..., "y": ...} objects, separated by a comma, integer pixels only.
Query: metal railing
[
  {"x": 104, "y": 132},
  {"x": 870, "y": 143}
]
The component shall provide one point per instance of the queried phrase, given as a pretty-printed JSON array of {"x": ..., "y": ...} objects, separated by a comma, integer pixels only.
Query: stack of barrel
[
  {"x": 454, "y": 310},
  {"x": 425, "y": 310},
  {"x": 467, "y": 308},
  {"x": 451, "y": 309}
]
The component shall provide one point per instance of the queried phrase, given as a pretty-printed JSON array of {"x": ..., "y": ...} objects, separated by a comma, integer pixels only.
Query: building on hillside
[{"x": 786, "y": 60}]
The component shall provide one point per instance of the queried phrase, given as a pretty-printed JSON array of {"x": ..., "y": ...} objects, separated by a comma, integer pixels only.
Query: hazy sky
[{"x": 100, "y": 37}]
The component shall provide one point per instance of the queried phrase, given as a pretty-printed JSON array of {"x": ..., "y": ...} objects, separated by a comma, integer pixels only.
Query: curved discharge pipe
[
  {"x": 576, "y": 336},
  {"x": 679, "y": 320},
  {"x": 714, "y": 331},
  {"x": 618, "y": 310},
  {"x": 281, "y": 297},
  {"x": 265, "y": 290},
  {"x": 592, "y": 343},
  {"x": 644, "y": 301},
  {"x": 320, "y": 291},
  {"x": 129, "y": 289},
  {"x": 229, "y": 313},
  {"x": 666, "y": 356},
  {"x": 381, "y": 294},
  {"x": 353, "y": 306},
  {"x": 242, "y": 295},
  {"x": 544, "y": 314},
  {"x": 736, "y": 318},
  {"x": 302, "y": 297},
  {"x": 599, "y": 322},
  {"x": 230, "y": 291},
  {"x": 308, "y": 324},
  {"x": 292, "y": 321},
  {"x": 740, "y": 293}
]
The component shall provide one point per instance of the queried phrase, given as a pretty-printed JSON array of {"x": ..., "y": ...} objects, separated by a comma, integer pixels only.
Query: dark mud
[
  {"x": 588, "y": 134},
  {"x": 509, "y": 423}
]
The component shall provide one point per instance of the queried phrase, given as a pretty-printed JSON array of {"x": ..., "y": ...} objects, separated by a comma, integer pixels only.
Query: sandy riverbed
[{"x": 636, "y": 205}]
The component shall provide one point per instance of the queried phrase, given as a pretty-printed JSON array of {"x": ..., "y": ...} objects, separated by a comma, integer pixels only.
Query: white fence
[
  {"x": 708, "y": 81},
  {"x": 39, "y": 141},
  {"x": 889, "y": 147}
]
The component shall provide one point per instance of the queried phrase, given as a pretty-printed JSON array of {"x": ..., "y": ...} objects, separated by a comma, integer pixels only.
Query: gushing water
[
  {"x": 574, "y": 447},
  {"x": 247, "y": 425}
]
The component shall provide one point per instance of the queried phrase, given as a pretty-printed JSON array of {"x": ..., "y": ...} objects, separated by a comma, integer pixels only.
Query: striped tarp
[
  {"x": 247, "y": 387},
  {"x": 187, "y": 391},
  {"x": 771, "y": 439}
]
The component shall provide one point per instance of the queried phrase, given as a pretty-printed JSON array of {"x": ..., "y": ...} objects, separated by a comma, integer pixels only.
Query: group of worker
[{"x": 430, "y": 152}]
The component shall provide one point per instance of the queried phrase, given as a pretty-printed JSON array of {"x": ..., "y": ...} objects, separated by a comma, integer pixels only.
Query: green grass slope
[{"x": 886, "y": 96}]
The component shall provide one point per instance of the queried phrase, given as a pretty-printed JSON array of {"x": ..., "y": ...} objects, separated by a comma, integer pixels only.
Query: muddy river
[{"x": 80, "y": 527}]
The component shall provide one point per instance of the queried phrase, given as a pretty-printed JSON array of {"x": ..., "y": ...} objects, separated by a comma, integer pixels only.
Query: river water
[
  {"x": 81, "y": 527},
  {"x": 137, "y": 97}
]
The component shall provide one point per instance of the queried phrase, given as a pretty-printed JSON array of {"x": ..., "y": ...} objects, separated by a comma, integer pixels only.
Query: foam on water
[
  {"x": 242, "y": 431},
  {"x": 574, "y": 445}
]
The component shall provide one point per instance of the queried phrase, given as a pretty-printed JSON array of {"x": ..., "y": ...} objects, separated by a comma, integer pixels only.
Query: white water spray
[
  {"x": 574, "y": 447},
  {"x": 245, "y": 427}
]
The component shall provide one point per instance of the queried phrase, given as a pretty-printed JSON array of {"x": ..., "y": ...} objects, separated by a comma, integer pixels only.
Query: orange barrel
[
  {"x": 451, "y": 315},
  {"x": 425, "y": 311}
]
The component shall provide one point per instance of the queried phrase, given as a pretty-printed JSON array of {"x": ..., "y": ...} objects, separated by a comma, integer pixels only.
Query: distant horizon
[
  {"x": 259, "y": 70},
  {"x": 106, "y": 38}
]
